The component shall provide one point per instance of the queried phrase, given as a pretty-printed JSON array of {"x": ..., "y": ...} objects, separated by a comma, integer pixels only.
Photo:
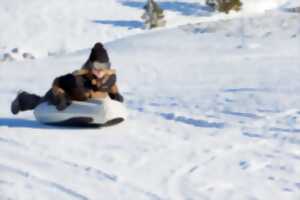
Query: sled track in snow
[{"x": 43, "y": 182}]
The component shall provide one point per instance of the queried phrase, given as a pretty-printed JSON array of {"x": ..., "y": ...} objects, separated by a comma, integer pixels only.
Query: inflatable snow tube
[{"x": 92, "y": 113}]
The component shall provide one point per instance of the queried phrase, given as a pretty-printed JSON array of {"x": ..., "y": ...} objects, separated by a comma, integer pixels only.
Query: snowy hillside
[
  {"x": 64, "y": 26},
  {"x": 214, "y": 106}
]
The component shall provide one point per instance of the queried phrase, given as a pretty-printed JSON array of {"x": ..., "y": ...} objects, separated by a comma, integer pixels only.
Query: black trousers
[{"x": 28, "y": 101}]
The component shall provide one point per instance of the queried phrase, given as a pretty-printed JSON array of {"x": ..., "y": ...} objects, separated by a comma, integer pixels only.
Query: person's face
[{"x": 99, "y": 73}]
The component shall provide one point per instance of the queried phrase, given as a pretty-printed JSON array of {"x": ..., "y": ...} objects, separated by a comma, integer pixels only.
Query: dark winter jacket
[{"x": 81, "y": 86}]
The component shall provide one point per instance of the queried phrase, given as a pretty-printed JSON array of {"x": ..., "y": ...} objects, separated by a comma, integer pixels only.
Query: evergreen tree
[
  {"x": 224, "y": 5},
  {"x": 154, "y": 15},
  {"x": 212, "y": 3}
]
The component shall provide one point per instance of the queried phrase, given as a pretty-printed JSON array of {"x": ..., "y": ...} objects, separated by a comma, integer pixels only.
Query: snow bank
[{"x": 60, "y": 26}]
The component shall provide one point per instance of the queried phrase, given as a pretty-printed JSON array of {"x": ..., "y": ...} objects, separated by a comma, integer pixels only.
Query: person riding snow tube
[{"x": 94, "y": 81}]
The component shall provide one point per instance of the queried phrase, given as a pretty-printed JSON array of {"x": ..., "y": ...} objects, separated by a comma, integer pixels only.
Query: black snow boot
[
  {"x": 24, "y": 101},
  {"x": 15, "y": 106}
]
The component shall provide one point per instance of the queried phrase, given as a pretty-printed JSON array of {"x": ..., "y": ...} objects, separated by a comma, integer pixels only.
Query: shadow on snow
[
  {"x": 191, "y": 121},
  {"x": 26, "y": 123},
  {"x": 130, "y": 24},
  {"x": 182, "y": 7},
  {"x": 22, "y": 123}
]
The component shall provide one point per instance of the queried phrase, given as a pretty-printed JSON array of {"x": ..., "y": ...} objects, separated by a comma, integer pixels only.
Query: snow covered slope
[
  {"x": 54, "y": 27},
  {"x": 62, "y": 26},
  {"x": 214, "y": 114}
]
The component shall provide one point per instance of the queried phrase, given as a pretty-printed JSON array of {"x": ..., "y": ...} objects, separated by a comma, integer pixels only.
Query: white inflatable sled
[{"x": 102, "y": 112}]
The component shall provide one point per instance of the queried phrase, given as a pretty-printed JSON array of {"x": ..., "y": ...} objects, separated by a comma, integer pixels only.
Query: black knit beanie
[{"x": 99, "y": 54}]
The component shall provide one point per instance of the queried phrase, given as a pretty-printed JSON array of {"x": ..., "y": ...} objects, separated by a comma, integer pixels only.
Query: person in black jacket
[{"x": 95, "y": 80}]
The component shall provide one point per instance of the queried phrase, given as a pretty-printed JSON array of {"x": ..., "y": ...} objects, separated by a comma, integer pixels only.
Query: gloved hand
[
  {"x": 60, "y": 99},
  {"x": 117, "y": 97},
  {"x": 62, "y": 103}
]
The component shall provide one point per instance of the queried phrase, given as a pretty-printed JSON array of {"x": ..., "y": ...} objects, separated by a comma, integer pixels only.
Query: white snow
[
  {"x": 214, "y": 104},
  {"x": 62, "y": 26}
]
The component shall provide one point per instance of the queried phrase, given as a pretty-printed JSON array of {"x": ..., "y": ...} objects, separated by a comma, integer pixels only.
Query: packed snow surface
[{"x": 214, "y": 105}]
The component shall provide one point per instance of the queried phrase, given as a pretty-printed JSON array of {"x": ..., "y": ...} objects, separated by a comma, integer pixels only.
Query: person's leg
[{"x": 25, "y": 101}]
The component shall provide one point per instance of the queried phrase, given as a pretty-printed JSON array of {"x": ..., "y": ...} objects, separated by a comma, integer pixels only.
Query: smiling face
[
  {"x": 99, "y": 73},
  {"x": 99, "y": 69}
]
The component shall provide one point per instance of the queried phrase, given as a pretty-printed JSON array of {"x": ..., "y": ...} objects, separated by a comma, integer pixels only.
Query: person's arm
[
  {"x": 58, "y": 89},
  {"x": 115, "y": 94},
  {"x": 108, "y": 83},
  {"x": 113, "y": 89}
]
